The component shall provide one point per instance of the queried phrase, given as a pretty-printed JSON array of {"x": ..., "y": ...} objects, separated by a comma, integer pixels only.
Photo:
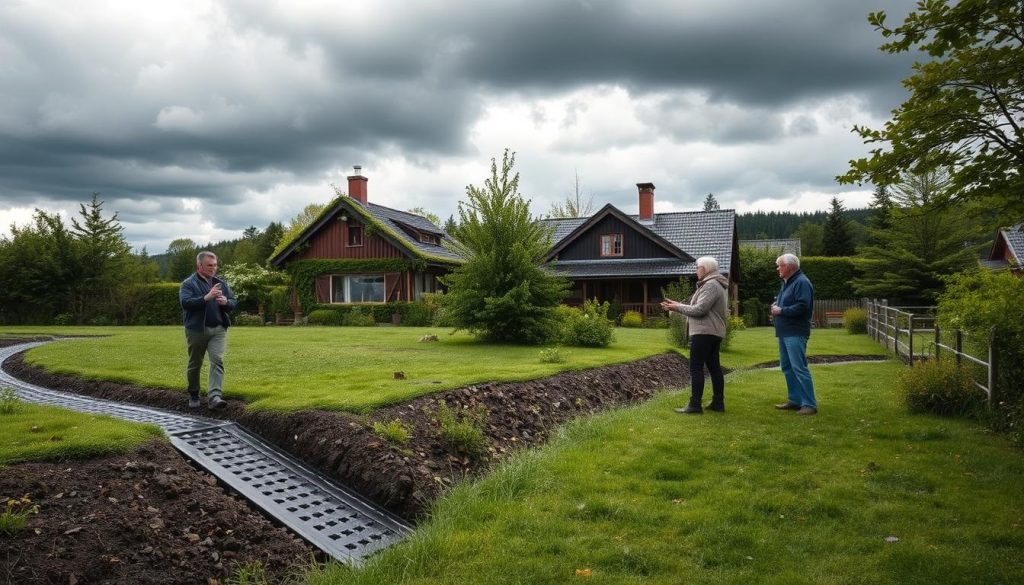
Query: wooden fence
[{"x": 913, "y": 334}]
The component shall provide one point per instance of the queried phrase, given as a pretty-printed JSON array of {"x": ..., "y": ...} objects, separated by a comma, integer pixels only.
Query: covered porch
[{"x": 642, "y": 295}]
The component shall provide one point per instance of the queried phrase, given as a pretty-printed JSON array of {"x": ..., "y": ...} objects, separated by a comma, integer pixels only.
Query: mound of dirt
[
  {"x": 406, "y": 478},
  {"x": 142, "y": 517}
]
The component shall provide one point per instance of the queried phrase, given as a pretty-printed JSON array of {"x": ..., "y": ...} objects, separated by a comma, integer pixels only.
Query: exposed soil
[
  {"x": 406, "y": 478},
  {"x": 142, "y": 517}
]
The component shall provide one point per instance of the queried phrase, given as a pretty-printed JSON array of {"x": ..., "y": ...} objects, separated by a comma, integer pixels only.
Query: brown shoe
[
  {"x": 787, "y": 406},
  {"x": 807, "y": 410}
]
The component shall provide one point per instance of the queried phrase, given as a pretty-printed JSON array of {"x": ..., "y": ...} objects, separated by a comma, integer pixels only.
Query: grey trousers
[{"x": 212, "y": 341}]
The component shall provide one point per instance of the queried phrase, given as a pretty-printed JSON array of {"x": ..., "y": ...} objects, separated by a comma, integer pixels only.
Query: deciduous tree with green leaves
[
  {"x": 502, "y": 292},
  {"x": 965, "y": 112}
]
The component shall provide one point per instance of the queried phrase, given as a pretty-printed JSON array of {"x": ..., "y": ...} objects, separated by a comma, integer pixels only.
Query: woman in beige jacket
[{"x": 706, "y": 314}]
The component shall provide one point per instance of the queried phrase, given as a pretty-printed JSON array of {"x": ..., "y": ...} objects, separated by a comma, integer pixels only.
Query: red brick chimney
[
  {"x": 357, "y": 185},
  {"x": 646, "y": 201}
]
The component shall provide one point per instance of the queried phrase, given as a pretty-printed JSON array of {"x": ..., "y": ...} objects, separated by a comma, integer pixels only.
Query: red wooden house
[{"x": 360, "y": 252}]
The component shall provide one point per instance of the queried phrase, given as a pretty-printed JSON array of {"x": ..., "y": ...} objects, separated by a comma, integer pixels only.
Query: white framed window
[
  {"x": 357, "y": 288},
  {"x": 611, "y": 245}
]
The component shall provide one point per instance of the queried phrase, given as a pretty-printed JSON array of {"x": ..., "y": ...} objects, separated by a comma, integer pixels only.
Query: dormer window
[
  {"x": 355, "y": 235},
  {"x": 611, "y": 245},
  {"x": 429, "y": 238}
]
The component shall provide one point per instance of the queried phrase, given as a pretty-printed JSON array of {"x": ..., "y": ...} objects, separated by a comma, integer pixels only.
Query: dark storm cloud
[{"x": 250, "y": 95}]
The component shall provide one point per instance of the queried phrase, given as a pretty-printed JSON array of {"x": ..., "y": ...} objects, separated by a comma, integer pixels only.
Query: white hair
[
  {"x": 789, "y": 259},
  {"x": 203, "y": 256},
  {"x": 708, "y": 263}
]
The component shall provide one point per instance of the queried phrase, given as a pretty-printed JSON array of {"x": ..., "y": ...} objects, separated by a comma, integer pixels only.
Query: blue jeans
[
  {"x": 211, "y": 341},
  {"x": 793, "y": 362}
]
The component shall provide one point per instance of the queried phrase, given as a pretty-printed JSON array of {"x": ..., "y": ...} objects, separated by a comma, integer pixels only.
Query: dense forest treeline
[{"x": 773, "y": 225}]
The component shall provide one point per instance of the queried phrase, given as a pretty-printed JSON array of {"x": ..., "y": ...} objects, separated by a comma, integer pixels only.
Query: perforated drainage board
[
  {"x": 340, "y": 522},
  {"x": 337, "y": 521}
]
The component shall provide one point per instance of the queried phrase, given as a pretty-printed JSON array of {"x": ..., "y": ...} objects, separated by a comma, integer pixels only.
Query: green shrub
[
  {"x": 656, "y": 323},
  {"x": 755, "y": 313},
  {"x": 280, "y": 300},
  {"x": 8, "y": 400},
  {"x": 357, "y": 317},
  {"x": 393, "y": 431},
  {"x": 732, "y": 325},
  {"x": 678, "y": 332},
  {"x": 325, "y": 317},
  {"x": 983, "y": 303},
  {"x": 159, "y": 305},
  {"x": 939, "y": 387},
  {"x": 417, "y": 314},
  {"x": 246, "y": 320},
  {"x": 64, "y": 319},
  {"x": 588, "y": 326},
  {"x": 463, "y": 430},
  {"x": 631, "y": 319},
  {"x": 553, "y": 355},
  {"x": 855, "y": 320}
]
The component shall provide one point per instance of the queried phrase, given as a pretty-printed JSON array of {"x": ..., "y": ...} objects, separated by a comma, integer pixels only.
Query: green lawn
[
  {"x": 643, "y": 495},
  {"x": 352, "y": 368},
  {"x": 34, "y": 432}
]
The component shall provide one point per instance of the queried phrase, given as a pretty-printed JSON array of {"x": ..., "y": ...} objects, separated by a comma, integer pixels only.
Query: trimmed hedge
[
  {"x": 831, "y": 277},
  {"x": 410, "y": 314},
  {"x": 160, "y": 305}
]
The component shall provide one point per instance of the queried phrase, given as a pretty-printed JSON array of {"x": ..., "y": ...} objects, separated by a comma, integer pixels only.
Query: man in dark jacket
[
  {"x": 792, "y": 312},
  {"x": 206, "y": 302}
]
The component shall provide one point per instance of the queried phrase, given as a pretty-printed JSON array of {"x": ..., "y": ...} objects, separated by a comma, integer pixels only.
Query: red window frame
[{"x": 609, "y": 243}]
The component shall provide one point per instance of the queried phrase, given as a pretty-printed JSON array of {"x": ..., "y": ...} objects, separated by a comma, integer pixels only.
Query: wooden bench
[{"x": 833, "y": 318}]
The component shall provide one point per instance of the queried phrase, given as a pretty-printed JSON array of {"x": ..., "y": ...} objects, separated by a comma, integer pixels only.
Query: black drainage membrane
[{"x": 336, "y": 520}]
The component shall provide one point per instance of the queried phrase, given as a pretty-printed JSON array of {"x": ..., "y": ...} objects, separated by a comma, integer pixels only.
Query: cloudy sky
[{"x": 199, "y": 118}]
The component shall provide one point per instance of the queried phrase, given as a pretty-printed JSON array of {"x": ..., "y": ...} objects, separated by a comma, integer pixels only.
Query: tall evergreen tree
[
  {"x": 881, "y": 209},
  {"x": 924, "y": 242},
  {"x": 710, "y": 203},
  {"x": 837, "y": 239},
  {"x": 502, "y": 292}
]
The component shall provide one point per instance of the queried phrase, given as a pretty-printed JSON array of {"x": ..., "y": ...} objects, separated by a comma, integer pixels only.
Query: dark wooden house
[{"x": 628, "y": 259}]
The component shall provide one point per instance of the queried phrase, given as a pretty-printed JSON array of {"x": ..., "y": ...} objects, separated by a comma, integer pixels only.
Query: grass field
[
  {"x": 351, "y": 368},
  {"x": 33, "y": 432},
  {"x": 861, "y": 494}
]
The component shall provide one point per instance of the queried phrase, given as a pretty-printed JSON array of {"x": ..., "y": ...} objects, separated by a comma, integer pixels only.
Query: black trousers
[{"x": 705, "y": 351}]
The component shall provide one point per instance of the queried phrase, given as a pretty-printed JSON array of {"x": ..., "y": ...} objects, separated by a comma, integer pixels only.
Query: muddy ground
[{"x": 405, "y": 478}]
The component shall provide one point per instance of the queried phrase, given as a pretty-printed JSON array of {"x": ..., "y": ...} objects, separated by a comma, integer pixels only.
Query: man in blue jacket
[
  {"x": 206, "y": 302},
  {"x": 792, "y": 312}
]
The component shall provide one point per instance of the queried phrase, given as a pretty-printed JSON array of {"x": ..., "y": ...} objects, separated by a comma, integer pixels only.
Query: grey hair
[
  {"x": 790, "y": 259},
  {"x": 204, "y": 255},
  {"x": 708, "y": 263}
]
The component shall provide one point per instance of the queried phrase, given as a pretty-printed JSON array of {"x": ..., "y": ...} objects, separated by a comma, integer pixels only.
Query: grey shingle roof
[
  {"x": 392, "y": 217},
  {"x": 1015, "y": 241},
  {"x": 788, "y": 245},
  {"x": 624, "y": 269},
  {"x": 698, "y": 233}
]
